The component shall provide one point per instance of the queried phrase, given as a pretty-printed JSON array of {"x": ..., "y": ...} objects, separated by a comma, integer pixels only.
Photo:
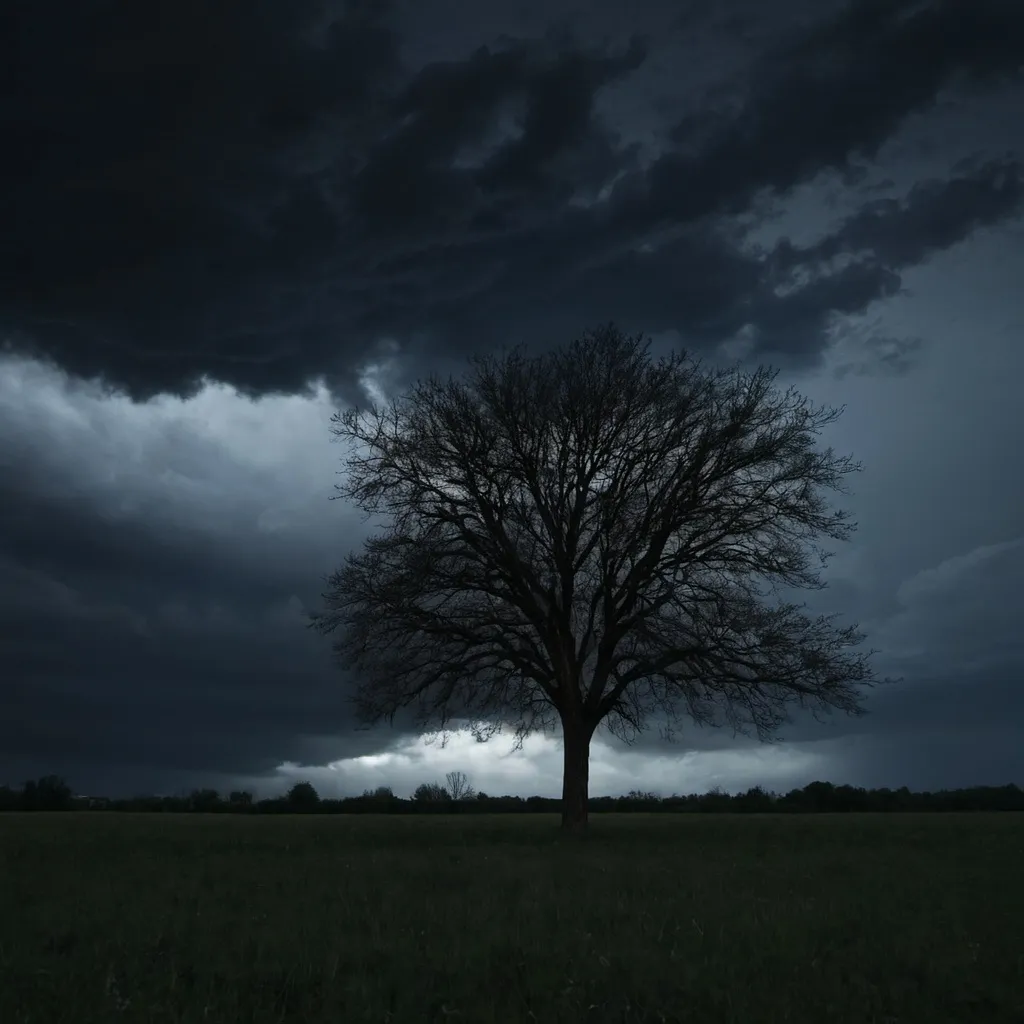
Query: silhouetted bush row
[{"x": 52, "y": 793}]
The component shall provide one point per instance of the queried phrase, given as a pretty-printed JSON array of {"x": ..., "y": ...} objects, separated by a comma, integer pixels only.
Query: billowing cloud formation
[
  {"x": 158, "y": 561},
  {"x": 261, "y": 197}
]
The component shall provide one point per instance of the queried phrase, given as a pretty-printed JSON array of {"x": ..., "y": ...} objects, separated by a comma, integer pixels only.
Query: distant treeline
[{"x": 52, "y": 793}]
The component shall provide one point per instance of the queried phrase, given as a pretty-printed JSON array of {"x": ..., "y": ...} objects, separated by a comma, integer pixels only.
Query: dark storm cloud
[
  {"x": 153, "y": 598},
  {"x": 803, "y": 289},
  {"x": 168, "y": 173},
  {"x": 189, "y": 191},
  {"x": 833, "y": 96},
  {"x": 448, "y": 109},
  {"x": 953, "y": 643},
  {"x": 260, "y": 198},
  {"x": 157, "y": 650},
  {"x": 838, "y": 92},
  {"x": 703, "y": 283},
  {"x": 935, "y": 215}
]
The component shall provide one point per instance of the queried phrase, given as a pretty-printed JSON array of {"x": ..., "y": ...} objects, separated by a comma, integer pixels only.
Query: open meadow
[{"x": 719, "y": 918}]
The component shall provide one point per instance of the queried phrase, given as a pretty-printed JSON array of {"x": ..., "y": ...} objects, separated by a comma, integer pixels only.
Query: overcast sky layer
[{"x": 222, "y": 222}]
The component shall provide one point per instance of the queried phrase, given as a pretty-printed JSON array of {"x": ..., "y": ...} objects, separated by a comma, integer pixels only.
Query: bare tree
[
  {"x": 458, "y": 786},
  {"x": 590, "y": 536}
]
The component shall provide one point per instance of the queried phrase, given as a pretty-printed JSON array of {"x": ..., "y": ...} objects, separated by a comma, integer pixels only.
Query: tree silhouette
[
  {"x": 302, "y": 797},
  {"x": 382, "y": 794},
  {"x": 204, "y": 800},
  {"x": 458, "y": 786},
  {"x": 431, "y": 793},
  {"x": 49, "y": 793},
  {"x": 587, "y": 536}
]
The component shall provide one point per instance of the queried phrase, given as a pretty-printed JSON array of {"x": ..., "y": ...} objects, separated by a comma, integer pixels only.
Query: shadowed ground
[{"x": 854, "y": 918}]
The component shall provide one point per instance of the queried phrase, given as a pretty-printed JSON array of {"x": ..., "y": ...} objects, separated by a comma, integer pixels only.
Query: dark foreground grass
[{"x": 854, "y": 918}]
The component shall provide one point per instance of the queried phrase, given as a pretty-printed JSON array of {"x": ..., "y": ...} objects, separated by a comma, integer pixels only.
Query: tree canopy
[{"x": 591, "y": 536}]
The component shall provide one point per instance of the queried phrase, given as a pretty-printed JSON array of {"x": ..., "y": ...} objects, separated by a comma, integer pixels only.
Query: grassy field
[{"x": 854, "y": 918}]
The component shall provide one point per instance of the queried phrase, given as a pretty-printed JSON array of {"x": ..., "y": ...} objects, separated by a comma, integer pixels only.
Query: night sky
[{"x": 222, "y": 221}]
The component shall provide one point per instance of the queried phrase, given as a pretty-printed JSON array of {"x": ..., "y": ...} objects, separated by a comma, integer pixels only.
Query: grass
[{"x": 661, "y": 918}]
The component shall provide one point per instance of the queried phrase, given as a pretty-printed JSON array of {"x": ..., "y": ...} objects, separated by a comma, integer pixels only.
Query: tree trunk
[{"x": 576, "y": 735}]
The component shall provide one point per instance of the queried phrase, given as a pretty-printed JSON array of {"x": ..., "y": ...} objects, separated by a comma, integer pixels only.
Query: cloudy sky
[{"x": 222, "y": 222}]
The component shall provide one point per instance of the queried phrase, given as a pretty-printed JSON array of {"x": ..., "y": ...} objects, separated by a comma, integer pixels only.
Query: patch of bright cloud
[
  {"x": 536, "y": 770},
  {"x": 208, "y": 459}
]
